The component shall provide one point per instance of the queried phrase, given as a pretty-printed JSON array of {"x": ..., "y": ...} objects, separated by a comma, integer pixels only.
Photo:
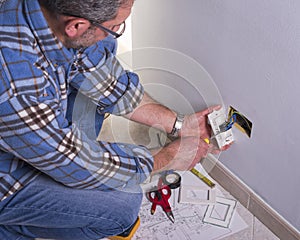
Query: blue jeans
[{"x": 47, "y": 209}]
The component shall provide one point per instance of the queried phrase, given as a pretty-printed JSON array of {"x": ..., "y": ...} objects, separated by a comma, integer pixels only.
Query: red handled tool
[{"x": 160, "y": 196}]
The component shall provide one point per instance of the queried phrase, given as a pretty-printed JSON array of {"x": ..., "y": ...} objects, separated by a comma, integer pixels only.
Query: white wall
[
  {"x": 125, "y": 42},
  {"x": 251, "y": 49}
]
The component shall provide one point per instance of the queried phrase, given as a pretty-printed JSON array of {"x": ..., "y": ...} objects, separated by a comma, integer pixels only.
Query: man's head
[{"x": 81, "y": 23}]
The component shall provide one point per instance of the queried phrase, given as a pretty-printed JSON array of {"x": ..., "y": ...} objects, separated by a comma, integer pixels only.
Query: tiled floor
[{"x": 255, "y": 231}]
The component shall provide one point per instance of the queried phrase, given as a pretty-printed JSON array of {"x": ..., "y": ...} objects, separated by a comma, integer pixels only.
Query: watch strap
[{"x": 177, "y": 125}]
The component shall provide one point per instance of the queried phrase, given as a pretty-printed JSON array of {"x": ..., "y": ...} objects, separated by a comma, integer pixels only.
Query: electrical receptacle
[{"x": 217, "y": 119}]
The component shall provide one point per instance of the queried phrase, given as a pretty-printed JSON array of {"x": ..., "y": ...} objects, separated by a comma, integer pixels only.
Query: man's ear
[{"x": 76, "y": 27}]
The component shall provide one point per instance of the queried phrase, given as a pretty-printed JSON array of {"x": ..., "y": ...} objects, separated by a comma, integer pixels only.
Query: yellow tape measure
[{"x": 203, "y": 178}]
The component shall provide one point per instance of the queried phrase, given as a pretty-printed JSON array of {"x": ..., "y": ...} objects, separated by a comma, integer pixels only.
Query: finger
[
  {"x": 203, "y": 149},
  {"x": 226, "y": 146},
  {"x": 216, "y": 107},
  {"x": 209, "y": 110},
  {"x": 214, "y": 149}
]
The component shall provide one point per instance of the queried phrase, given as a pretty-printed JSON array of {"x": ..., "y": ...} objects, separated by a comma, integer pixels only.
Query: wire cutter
[{"x": 160, "y": 196}]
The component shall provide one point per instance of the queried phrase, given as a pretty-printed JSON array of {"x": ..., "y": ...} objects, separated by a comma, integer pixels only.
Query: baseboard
[{"x": 250, "y": 200}]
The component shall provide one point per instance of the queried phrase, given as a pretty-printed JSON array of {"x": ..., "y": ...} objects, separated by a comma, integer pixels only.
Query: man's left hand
[{"x": 196, "y": 124}]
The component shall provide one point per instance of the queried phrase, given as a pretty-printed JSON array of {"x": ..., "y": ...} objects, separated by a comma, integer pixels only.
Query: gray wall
[{"x": 251, "y": 49}]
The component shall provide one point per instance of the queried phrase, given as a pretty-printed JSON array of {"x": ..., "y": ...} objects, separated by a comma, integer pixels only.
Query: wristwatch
[{"x": 177, "y": 125}]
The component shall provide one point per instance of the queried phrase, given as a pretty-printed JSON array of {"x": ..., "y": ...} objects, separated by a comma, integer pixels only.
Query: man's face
[{"x": 95, "y": 34}]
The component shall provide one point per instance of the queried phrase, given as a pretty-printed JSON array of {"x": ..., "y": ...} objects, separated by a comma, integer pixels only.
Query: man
[{"x": 58, "y": 77}]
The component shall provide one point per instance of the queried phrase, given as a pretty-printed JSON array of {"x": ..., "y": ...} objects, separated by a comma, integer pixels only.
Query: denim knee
[
  {"x": 129, "y": 208},
  {"x": 133, "y": 208},
  {"x": 122, "y": 215}
]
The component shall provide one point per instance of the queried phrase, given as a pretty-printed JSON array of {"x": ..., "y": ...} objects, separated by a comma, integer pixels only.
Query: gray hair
[{"x": 94, "y": 10}]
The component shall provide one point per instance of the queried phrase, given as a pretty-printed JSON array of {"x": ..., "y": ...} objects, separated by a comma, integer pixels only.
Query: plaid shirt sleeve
[{"x": 112, "y": 88}]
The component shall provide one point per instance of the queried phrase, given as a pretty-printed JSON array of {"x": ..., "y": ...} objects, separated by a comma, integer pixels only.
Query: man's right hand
[{"x": 182, "y": 154}]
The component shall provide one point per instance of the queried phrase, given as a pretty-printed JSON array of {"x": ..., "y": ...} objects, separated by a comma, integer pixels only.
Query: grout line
[{"x": 253, "y": 227}]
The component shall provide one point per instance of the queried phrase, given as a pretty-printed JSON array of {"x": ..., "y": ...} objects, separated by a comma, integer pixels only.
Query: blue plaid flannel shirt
[{"x": 52, "y": 102}]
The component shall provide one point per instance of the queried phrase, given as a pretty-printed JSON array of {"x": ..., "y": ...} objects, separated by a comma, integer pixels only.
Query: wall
[{"x": 251, "y": 51}]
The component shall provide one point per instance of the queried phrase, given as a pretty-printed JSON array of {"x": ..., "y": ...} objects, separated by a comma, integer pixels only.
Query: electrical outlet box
[{"x": 217, "y": 119}]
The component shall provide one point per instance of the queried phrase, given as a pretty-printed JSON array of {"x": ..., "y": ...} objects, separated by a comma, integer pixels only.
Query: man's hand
[
  {"x": 197, "y": 124},
  {"x": 182, "y": 154}
]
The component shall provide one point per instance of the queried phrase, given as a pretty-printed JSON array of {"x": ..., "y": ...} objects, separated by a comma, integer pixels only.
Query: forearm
[{"x": 154, "y": 114}]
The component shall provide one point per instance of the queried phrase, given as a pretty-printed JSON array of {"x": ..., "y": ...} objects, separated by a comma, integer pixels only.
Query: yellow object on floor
[{"x": 130, "y": 234}]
